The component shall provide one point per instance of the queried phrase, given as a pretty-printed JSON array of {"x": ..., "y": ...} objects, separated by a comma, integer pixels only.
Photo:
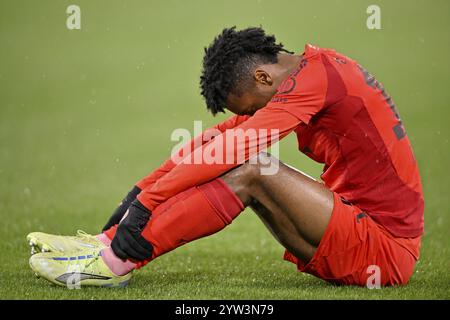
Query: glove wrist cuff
[{"x": 137, "y": 204}]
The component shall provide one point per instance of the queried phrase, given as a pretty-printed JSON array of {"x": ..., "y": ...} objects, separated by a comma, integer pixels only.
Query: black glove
[
  {"x": 122, "y": 208},
  {"x": 128, "y": 241}
]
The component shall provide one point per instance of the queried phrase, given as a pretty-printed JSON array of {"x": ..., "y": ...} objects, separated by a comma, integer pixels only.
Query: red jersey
[{"x": 344, "y": 119}]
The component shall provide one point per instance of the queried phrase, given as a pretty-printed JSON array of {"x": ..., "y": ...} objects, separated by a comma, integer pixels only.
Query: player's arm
[
  {"x": 186, "y": 175},
  {"x": 149, "y": 180},
  {"x": 186, "y": 150}
]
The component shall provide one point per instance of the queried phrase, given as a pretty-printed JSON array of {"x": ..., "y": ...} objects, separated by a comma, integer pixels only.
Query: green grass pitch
[{"x": 85, "y": 113}]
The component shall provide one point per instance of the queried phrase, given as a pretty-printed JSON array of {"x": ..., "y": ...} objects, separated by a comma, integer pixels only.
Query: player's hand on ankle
[
  {"x": 122, "y": 208},
  {"x": 128, "y": 243}
]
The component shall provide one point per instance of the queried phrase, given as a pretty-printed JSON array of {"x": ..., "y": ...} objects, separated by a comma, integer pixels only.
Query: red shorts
[{"x": 353, "y": 244}]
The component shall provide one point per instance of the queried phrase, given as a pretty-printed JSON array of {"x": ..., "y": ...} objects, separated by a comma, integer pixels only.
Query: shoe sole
[{"x": 119, "y": 285}]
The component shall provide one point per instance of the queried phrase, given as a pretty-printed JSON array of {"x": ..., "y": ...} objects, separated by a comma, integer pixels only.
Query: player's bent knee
[
  {"x": 263, "y": 164},
  {"x": 241, "y": 179},
  {"x": 246, "y": 173}
]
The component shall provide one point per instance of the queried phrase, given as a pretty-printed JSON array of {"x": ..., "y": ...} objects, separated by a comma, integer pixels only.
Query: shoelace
[
  {"x": 87, "y": 236},
  {"x": 96, "y": 255},
  {"x": 82, "y": 233}
]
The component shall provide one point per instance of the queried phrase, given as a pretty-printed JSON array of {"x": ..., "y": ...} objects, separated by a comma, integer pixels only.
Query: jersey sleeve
[
  {"x": 303, "y": 93},
  {"x": 265, "y": 127},
  {"x": 184, "y": 151},
  {"x": 301, "y": 96}
]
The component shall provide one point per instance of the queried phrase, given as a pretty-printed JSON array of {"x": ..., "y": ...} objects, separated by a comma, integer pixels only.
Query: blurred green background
[{"x": 85, "y": 113}]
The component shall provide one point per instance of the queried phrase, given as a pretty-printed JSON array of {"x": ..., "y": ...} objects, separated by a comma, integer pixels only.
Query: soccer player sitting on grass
[{"x": 367, "y": 212}]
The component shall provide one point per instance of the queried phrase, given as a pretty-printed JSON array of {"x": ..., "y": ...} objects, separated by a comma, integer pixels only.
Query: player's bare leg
[{"x": 294, "y": 207}]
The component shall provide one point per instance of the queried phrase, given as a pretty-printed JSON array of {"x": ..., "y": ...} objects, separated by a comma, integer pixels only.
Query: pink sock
[
  {"x": 115, "y": 264},
  {"x": 104, "y": 238}
]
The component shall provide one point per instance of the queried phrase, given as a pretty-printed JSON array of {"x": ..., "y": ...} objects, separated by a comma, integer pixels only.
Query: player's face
[
  {"x": 265, "y": 80},
  {"x": 255, "y": 97},
  {"x": 246, "y": 104}
]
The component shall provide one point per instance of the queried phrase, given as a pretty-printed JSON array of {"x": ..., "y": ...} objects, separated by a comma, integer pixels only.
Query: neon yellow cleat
[
  {"x": 75, "y": 270},
  {"x": 44, "y": 242}
]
